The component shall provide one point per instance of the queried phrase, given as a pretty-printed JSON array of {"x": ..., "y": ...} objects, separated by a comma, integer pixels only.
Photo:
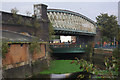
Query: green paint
[
  {"x": 61, "y": 67},
  {"x": 68, "y": 50}
]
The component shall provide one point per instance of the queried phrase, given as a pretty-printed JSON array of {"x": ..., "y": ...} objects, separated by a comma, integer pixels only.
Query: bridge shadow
[{"x": 68, "y": 56}]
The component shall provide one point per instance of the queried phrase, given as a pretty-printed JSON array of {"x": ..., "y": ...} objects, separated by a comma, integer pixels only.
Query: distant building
[{"x": 65, "y": 38}]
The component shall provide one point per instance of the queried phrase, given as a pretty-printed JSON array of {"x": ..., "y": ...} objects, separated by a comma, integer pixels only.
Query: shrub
[
  {"x": 5, "y": 49},
  {"x": 34, "y": 46},
  {"x": 116, "y": 52}
]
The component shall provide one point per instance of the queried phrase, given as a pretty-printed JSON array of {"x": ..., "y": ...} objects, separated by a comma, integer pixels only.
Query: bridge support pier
[
  {"x": 40, "y": 12},
  {"x": 84, "y": 39}
]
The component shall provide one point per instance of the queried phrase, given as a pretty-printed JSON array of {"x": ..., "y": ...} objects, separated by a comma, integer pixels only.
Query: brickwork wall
[
  {"x": 19, "y": 53},
  {"x": 41, "y": 54}
]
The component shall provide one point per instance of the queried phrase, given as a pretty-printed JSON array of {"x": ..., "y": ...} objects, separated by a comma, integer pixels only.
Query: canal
[{"x": 62, "y": 68}]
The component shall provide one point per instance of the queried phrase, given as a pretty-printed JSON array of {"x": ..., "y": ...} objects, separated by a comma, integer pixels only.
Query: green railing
[{"x": 68, "y": 48}]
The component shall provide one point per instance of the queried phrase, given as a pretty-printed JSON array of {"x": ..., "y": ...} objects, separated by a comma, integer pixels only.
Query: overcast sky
[
  {"x": 88, "y": 9},
  {"x": 59, "y": 0}
]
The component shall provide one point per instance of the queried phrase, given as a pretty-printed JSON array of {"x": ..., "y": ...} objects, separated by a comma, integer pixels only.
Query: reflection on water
[
  {"x": 50, "y": 76},
  {"x": 67, "y": 76},
  {"x": 59, "y": 76},
  {"x": 67, "y": 56},
  {"x": 73, "y": 76}
]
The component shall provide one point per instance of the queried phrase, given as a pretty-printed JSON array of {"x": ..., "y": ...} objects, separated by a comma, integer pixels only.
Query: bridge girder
[
  {"x": 70, "y": 33},
  {"x": 71, "y": 23}
]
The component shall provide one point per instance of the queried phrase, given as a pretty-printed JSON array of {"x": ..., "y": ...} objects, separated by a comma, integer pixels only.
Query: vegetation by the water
[
  {"x": 34, "y": 46},
  {"x": 111, "y": 70},
  {"x": 5, "y": 48}
]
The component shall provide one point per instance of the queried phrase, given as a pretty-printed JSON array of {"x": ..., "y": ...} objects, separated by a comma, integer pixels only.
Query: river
[{"x": 97, "y": 61}]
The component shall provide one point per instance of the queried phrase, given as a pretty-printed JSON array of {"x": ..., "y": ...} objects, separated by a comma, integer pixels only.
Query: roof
[
  {"x": 3, "y": 12},
  {"x": 14, "y": 37}
]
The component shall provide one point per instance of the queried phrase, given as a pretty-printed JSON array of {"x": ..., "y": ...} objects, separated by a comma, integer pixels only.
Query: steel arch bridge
[{"x": 71, "y": 23}]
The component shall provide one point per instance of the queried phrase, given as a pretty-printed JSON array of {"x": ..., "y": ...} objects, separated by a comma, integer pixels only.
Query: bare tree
[{"x": 14, "y": 10}]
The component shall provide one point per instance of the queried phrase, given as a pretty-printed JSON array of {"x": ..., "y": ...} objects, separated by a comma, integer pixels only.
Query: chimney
[{"x": 40, "y": 11}]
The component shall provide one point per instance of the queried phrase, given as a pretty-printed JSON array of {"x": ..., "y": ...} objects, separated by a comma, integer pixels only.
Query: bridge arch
[{"x": 68, "y": 21}]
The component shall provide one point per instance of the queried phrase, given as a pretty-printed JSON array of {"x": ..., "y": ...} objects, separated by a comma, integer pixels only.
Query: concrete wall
[
  {"x": 98, "y": 35},
  {"x": 26, "y": 70},
  {"x": 84, "y": 39}
]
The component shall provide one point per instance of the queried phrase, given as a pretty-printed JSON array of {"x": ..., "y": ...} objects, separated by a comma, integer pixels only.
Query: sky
[
  {"x": 59, "y": 0},
  {"x": 88, "y": 9}
]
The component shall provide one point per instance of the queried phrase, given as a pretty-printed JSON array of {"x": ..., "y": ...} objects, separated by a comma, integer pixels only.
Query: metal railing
[
  {"x": 106, "y": 46},
  {"x": 69, "y": 46}
]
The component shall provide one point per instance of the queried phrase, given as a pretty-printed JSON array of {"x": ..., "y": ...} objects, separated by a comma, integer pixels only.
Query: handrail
[{"x": 68, "y": 45}]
